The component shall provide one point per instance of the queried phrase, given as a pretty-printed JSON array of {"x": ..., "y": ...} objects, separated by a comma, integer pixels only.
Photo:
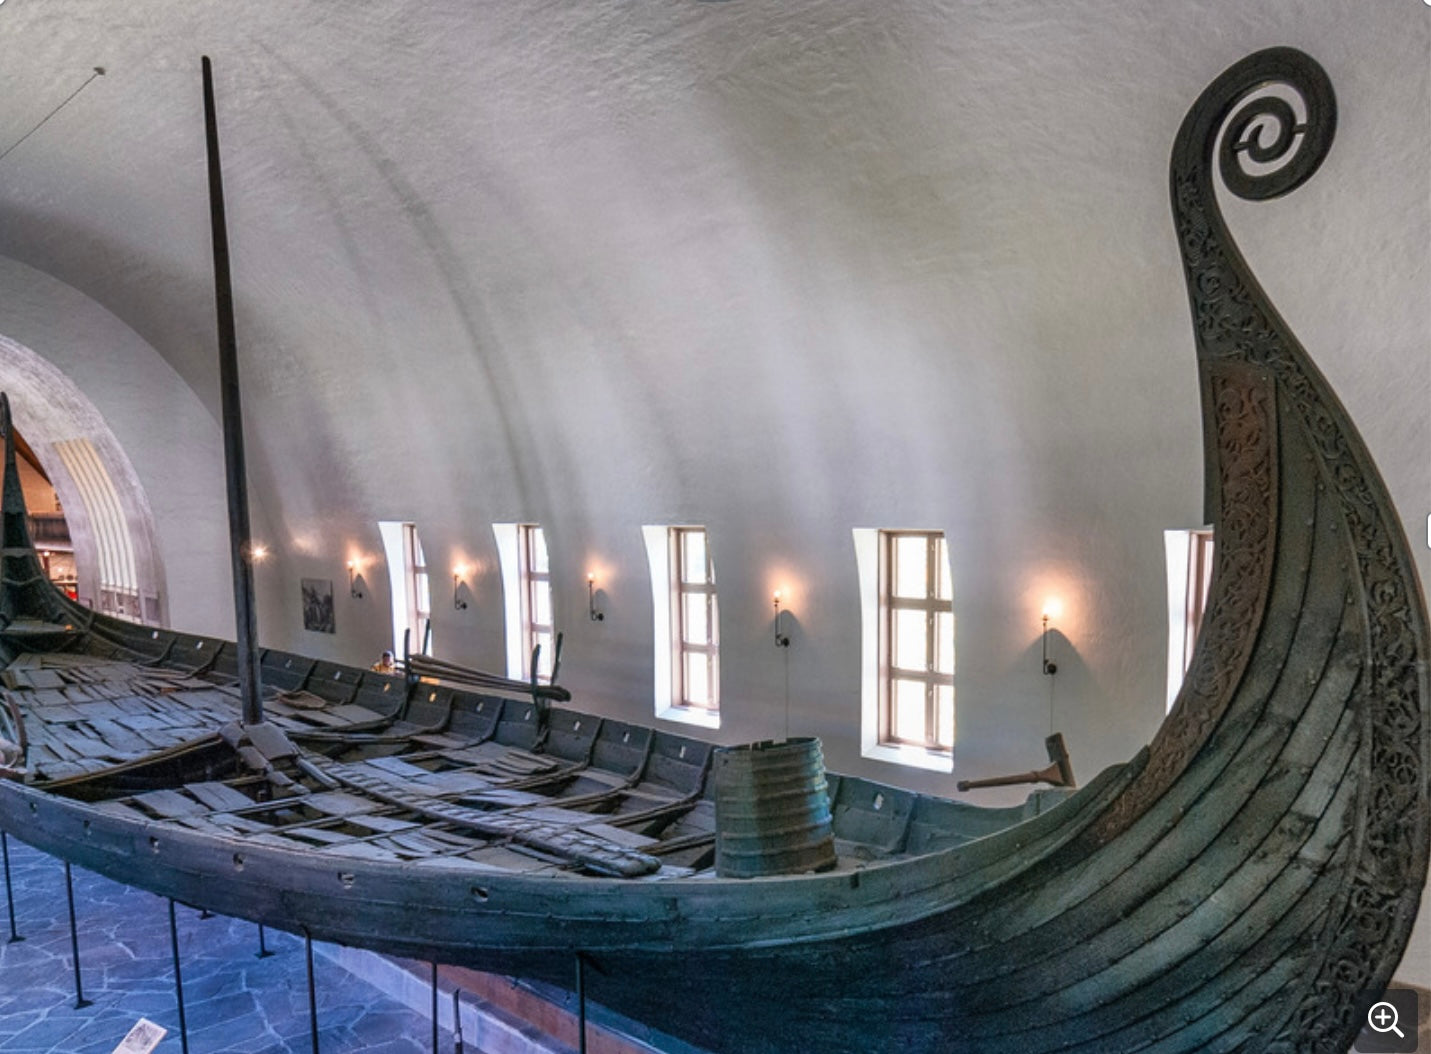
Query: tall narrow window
[
  {"x": 538, "y": 628},
  {"x": 687, "y": 624},
  {"x": 696, "y": 631},
  {"x": 907, "y": 647},
  {"x": 1189, "y": 555},
  {"x": 918, "y": 645},
  {"x": 407, "y": 577},
  {"x": 527, "y": 611},
  {"x": 419, "y": 597}
]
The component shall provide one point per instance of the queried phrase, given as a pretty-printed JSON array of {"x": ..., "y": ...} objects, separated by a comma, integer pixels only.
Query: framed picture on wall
[{"x": 318, "y": 605}]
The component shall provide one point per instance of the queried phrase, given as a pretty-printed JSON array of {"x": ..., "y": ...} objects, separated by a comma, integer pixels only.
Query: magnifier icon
[{"x": 1382, "y": 1017}]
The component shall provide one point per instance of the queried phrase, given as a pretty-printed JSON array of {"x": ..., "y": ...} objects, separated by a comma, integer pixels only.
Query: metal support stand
[
  {"x": 178, "y": 980},
  {"x": 457, "y": 1047},
  {"x": 80, "y": 1001},
  {"x": 434, "y": 1008},
  {"x": 9, "y": 890},
  {"x": 580, "y": 1003},
  {"x": 312, "y": 997},
  {"x": 263, "y": 952}
]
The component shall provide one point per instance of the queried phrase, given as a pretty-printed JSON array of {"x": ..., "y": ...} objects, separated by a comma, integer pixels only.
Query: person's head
[{"x": 387, "y": 656}]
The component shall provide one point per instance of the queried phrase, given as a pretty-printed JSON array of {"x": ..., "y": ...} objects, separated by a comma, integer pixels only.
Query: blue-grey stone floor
[{"x": 234, "y": 1002}]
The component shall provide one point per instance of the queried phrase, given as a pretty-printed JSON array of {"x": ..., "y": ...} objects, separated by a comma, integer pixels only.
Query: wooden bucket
[{"x": 772, "y": 809}]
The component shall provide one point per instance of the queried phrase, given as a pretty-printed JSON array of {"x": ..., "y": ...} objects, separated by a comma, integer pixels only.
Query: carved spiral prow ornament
[{"x": 1264, "y": 126}]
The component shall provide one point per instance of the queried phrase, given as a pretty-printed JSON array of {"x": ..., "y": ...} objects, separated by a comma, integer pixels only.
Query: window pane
[
  {"x": 424, "y": 600},
  {"x": 944, "y": 705},
  {"x": 910, "y": 650},
  {"x": 538, "y": 550},
  {"x": 541, "y": 604},
  {"x": 911, "y": 554},
  {"x": 909, "y": 711},
  {"x": 698, "y": 685},
  {"x": 695, "y": 626},
  {"x": 548, "y": 653},
  {"x": 941, "y": 569},
  {"x": 944, "y": 642},
  {"x": 693, "y": 556}
]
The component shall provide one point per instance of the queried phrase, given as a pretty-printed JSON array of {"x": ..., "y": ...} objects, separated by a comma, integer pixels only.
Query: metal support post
[
  {"x": 178, "y": 979},
  {"x": 312, "y": 996},
  {"x": 80, "y": 1001},
  {"x": 434, "y": 1008},
  {"x": 457, "y": 1047},
  {"x": 580, "y": 1003},
  {"x": 9, "y": 890}
]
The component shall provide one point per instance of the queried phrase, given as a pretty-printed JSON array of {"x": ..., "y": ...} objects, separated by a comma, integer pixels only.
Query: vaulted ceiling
[{"x": 785, "y": 267}]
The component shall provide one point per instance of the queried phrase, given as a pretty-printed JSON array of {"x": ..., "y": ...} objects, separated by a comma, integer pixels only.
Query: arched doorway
[{"x": 106, "y": 517}]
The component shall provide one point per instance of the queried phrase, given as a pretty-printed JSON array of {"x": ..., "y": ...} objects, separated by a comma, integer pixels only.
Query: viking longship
[{"x": 1238, "y": 885}]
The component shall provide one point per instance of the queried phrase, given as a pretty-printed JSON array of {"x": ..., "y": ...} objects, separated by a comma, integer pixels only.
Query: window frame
[
  {"x": 931, "y": 605},
  {"x": 418, "y": 588},
  {"x": 535, "y": 577},
  {"x": 685, "y": 592},
  {"x": 1190, "y": 553},
  {"x": 876, "y": 640},
  {"x": 402, "y": 549},
  {"x": 670, "y": 691}
]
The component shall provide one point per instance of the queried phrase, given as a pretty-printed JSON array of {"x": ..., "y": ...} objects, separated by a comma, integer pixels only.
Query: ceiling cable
[{"x": 98, "y": 72}]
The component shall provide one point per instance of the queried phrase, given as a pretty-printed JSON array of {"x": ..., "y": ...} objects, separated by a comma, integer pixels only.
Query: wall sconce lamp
[
  {"x": 256, "y": 552},
  {"x": 591, "y": 612},
  {"x": 1050, "y": 609},
  {"x": 353, "y": 590},
  {"x": 458, "y": 604},
  {"x": 781, "y": 639}
]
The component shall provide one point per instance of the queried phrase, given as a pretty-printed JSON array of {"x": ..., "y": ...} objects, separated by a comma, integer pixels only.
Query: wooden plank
[
  {"x": 393, "y": 767},
  {"x": 379, "y": 822},
  {"x": 219, "y": 796},
  {"x": 120, "y": 738},
  {"x": 170, "y": 803},
  {"x": 451, "y": 782},
  {"x": 417, "y": 843},
  {"x": 339, "y": 803},
  {"x": 618, "y": 835},
  {"x": 362, "y": 850},
  {"x": 319, "y": 836},
  {"x": 57, "y": 713}
]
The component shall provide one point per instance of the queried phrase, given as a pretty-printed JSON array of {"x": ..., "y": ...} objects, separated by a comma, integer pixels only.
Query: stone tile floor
[{"x": 234, "y": 1002}]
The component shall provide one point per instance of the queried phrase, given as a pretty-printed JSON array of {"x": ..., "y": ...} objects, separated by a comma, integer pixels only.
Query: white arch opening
[{"x": 117, "y": 563}]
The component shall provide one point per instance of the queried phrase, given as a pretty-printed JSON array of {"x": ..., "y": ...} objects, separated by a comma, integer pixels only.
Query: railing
[
  {"x": 48, "y": 528},
  {"x": 120, "y": 602}
]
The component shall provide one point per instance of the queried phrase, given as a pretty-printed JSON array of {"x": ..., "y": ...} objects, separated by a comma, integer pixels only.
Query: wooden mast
[{"x": 240, "y": 537}]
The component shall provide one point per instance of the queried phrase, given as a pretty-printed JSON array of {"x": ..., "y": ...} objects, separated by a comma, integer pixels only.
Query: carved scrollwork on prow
[
  {"x": 1267, "y": 149},
  {"x": 1265, "y": 125}
]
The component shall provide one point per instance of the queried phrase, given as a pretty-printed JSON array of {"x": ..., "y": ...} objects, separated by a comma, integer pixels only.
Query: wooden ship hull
[{"x": 1239, "y": 885}]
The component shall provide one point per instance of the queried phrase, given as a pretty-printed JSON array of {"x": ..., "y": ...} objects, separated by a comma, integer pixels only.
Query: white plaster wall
[{"x": 782, "y": 270}]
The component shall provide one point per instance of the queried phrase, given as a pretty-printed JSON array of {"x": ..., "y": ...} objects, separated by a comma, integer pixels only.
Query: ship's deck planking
[
  {"x": 436, "y": 773},
  {"x": 1240, "y": 885}
]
